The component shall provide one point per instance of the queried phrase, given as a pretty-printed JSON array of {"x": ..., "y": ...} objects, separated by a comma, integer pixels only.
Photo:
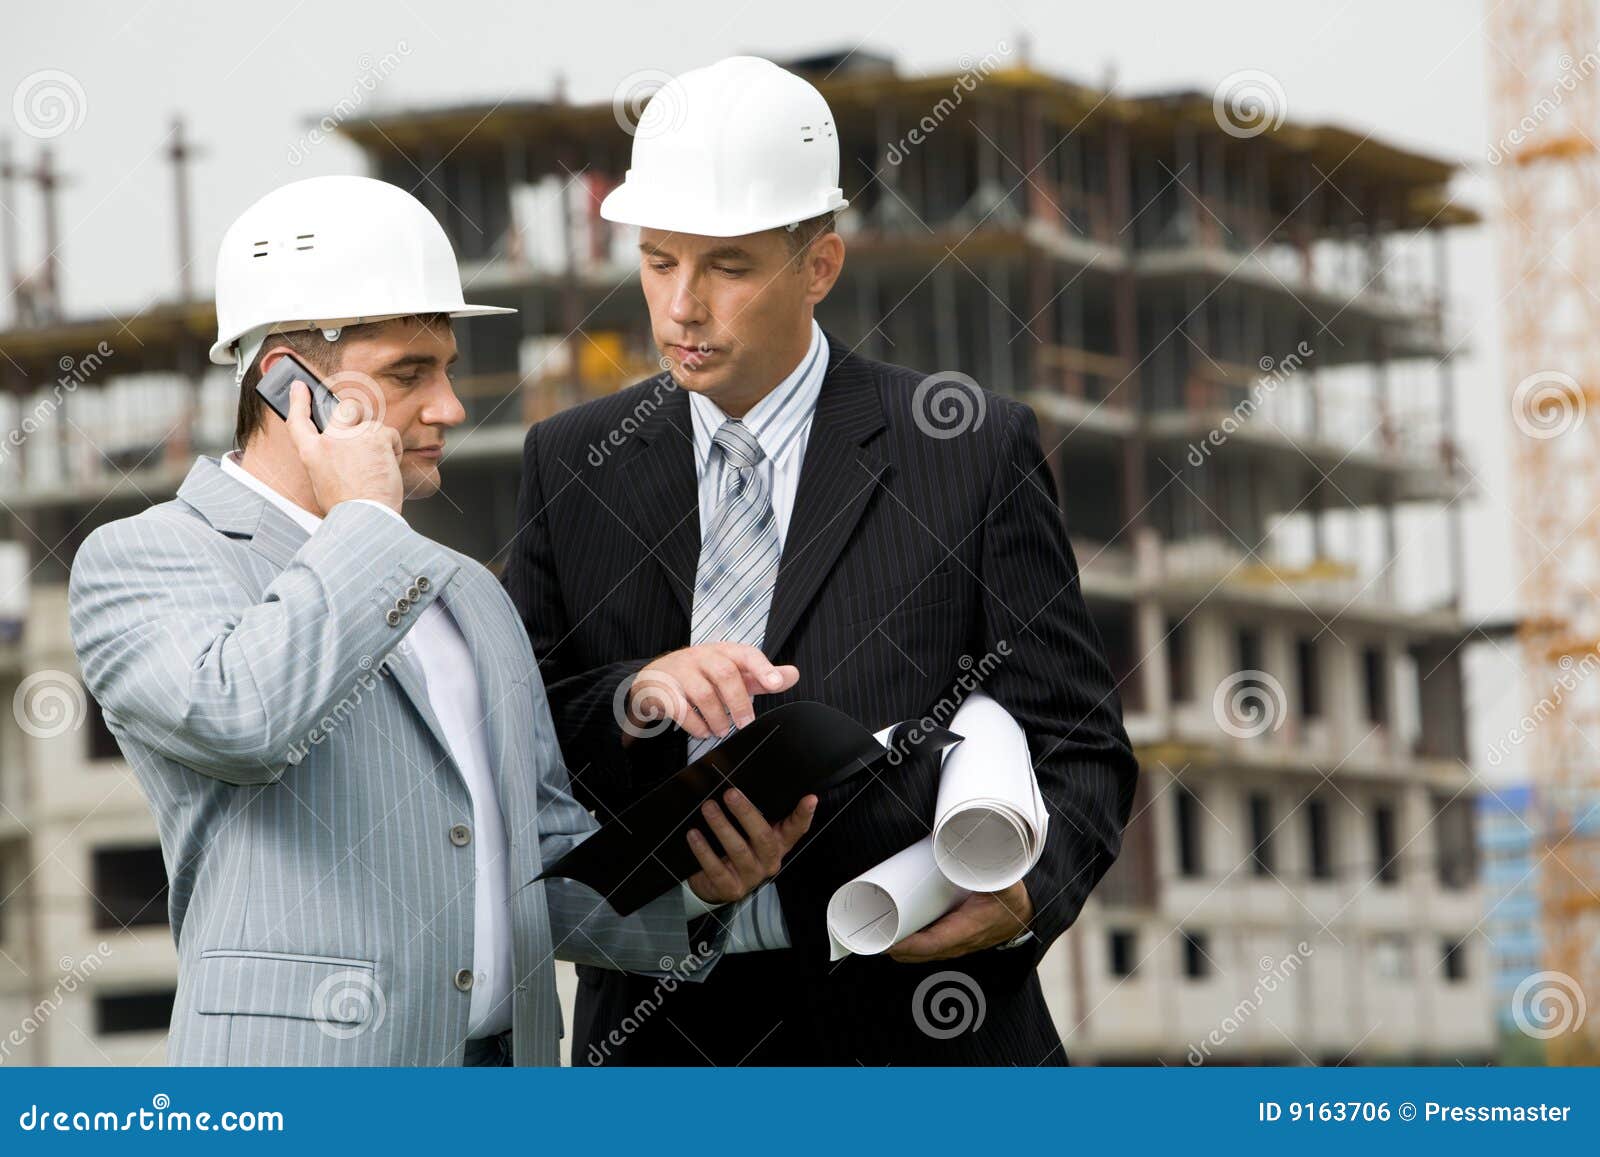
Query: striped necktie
[
  {"x": 739, "y": 555},
  {"x": 732, "y": 595}
]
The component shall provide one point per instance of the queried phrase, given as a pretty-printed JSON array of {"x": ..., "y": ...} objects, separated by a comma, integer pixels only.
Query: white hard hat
[
  {"x": 736, "y": 147},
  {"x": 329, "y": 252}
]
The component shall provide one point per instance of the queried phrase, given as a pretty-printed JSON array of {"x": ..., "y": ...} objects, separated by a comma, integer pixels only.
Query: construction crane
[{"x": 1544, "y": 66}]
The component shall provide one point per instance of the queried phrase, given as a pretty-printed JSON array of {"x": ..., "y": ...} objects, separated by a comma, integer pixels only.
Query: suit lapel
[
  {"x": 663, "y": 494},
  {"x": 838, "y": 479},
  {"x": 239, "y": 512},
  {"x": 406, "y": 670},
  {"x": 277, "y": 536}
]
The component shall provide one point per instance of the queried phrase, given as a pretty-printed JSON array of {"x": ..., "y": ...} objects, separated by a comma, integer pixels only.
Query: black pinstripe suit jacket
[{"x": 913, "y": 564}]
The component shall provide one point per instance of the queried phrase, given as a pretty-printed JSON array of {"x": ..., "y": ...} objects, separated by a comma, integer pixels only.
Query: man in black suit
[{"x": 777, "y": 517}]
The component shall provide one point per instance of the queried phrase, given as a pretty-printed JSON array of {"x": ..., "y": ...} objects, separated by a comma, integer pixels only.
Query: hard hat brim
[
  {"x": 222, "y": 350},
  {"x": 625, "y": 206}
]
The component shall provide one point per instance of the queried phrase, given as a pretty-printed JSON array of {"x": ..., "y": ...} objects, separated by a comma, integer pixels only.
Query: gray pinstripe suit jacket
[{"x": 304, "y": 791}]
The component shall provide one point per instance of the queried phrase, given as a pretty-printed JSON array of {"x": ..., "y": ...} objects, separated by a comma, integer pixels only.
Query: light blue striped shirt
[{"x": 781, "y": 423}]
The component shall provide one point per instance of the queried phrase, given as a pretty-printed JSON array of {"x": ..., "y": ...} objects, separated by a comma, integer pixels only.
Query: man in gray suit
[{"x": 338, "y": 722}]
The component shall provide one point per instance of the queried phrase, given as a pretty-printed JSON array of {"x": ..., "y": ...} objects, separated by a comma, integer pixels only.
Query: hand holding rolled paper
[
  {"x": 989, "y": 830},
  {"x": 981, "y": 921},
  {"x": 885, "y": 904}
]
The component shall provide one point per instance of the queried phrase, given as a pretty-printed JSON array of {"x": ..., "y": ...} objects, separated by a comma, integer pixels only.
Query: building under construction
[{"x": 1236, "y": 340}]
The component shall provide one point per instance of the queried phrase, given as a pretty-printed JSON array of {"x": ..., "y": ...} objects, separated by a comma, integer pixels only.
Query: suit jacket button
[
  {"x": 464, "y": 980},
  {"x": 423, "y": 584},
  {"x": 461, "y": 835},
  {"x": 392, "y": 617},
  {"x": 402, "y": 604},
  {"x": 413, "y": 592}
]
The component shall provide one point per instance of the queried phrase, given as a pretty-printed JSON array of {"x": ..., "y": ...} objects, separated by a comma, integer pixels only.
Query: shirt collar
[
  {"x": 302, "y": 516},
  {"x": 777, "y": 419}
]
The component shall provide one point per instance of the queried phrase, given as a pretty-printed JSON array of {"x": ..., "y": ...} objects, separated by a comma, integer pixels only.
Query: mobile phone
[{"x": 275, "y": 385}]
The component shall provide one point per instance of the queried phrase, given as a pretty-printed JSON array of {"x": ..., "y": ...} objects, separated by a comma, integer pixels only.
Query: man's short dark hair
[
  {"x": 319, "y": 354},
  {"x": 808, "y": 231}
]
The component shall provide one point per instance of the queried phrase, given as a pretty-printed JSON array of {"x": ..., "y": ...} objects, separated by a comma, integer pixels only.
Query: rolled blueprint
[
  {"x": 885, "y": 904},
  {"x": 990, "y": 820},
  {"x": 989, "y": 830}
]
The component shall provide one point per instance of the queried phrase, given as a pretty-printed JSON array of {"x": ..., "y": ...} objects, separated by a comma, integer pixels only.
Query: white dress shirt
[
  {"x": 439, "y": 651},
  {"x": 781, "y": 423}
]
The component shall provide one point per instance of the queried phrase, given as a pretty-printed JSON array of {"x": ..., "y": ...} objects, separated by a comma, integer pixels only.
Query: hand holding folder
[{"x": 788, "y": 753}]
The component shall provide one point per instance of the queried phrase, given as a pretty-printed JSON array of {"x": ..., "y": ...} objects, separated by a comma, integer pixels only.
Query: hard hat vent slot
[
  {"x": 306, "y": 241},
  {"x": 259, "y": 249}
]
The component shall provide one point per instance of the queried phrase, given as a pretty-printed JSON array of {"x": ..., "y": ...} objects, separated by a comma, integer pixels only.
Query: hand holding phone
[
  {"x": 273, "y": 389},
  {"x": 350, "y": 457}
]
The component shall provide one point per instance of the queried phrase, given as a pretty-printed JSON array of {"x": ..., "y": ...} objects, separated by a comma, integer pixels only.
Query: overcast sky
[{"x": 1412, "y": 73}]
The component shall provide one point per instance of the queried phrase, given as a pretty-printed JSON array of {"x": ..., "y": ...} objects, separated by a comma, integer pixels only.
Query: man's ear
[
  {"x": 824, "y": 261},
  {"x": 270, "y": 355}
]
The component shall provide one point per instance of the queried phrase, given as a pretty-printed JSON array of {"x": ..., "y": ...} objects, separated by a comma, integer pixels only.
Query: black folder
[{"x": 786, "y": 754}]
